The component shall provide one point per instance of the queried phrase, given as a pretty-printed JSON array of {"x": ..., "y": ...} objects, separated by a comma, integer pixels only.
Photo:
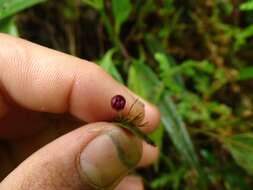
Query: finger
[
  {"x": 45, "y": 80},
  {"x": 131, "y": 182},
  {"x": 149, "y": 155},
  {"x": 96, "y": 156},
  {"x": 20, "y": 149}
]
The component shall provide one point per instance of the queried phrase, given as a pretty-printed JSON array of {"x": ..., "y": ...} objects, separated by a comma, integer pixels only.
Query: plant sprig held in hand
[{"x": 132, "y": 121}]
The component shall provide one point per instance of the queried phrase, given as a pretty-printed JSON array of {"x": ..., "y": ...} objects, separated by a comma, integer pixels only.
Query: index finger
[{"x": 45, "y": 80}]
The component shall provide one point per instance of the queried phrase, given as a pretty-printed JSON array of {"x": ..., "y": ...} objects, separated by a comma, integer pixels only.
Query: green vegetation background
[{"x": 192, "y": 58}]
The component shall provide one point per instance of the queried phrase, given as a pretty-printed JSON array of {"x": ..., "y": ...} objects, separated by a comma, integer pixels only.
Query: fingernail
[{"x": 109, "y": 157}]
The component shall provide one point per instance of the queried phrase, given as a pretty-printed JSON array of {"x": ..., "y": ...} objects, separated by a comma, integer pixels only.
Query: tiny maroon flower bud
[{"x": 118, "y": 102}]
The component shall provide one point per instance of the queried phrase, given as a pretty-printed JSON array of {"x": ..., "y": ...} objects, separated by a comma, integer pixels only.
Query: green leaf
[
  {"x": 8, "y": 26},
  {"x": 246, "y": 73},
  {"x": 241, "y": 148},
  {"x": 167, "y": 72},
  {"x": 157, "y": 136},
  {"x": 96, "y": 4},
  {"x": 107, "y": 64},
  {"x": 247, "y": 6},
  {"x": 10, "y": 7},
  {"x": 144, "y": 82},
  {"x": 242, "y": 35},
  {"x": 121, "y": 10},
  {"x": 155, "y": 47},
  {"x": 246, "y": 32},
  {"x": 164, "y": 64},
  {"x": 174, "y": 178},
  {"x": 176, "y": 129}
]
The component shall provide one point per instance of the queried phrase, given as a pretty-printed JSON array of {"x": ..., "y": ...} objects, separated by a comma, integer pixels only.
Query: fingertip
[
  {"x": 131, "y": 182},
  {"x": 152, "y": 117},
  {"x": 149, "y": 155}
]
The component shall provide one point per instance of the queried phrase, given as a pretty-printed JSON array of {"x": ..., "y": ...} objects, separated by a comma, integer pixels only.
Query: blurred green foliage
[{"x": 191, "y": 58}]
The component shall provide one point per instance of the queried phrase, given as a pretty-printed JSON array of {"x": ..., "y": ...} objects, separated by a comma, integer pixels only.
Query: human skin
[{"x": 42, "y": 146}]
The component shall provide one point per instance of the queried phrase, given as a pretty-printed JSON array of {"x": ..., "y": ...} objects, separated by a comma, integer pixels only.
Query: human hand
[{"x": 38, "y": 88}]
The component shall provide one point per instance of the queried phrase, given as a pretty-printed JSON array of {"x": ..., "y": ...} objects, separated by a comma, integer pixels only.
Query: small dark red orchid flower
[{"x": 118, "y": 102}]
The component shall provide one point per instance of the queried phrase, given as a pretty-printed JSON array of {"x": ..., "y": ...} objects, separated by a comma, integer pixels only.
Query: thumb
[{"x": 96, "y": 156}]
